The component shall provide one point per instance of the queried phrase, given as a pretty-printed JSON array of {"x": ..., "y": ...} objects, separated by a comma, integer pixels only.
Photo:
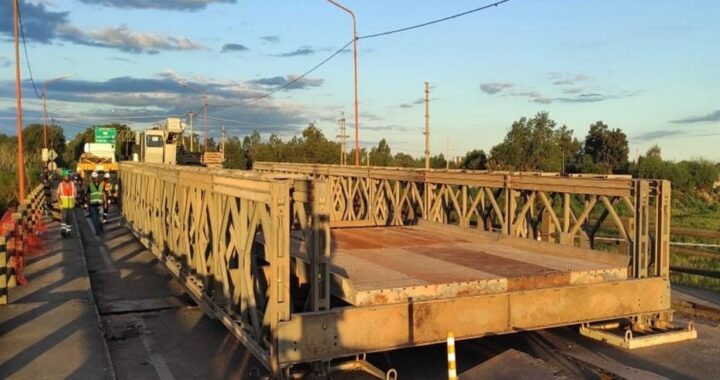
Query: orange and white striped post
[{"x": 452, "y": 367}]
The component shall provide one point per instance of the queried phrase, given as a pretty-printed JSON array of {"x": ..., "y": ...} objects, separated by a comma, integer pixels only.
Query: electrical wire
[
  {"x": 289, "y": 83},
  {"x": 239, "y": 121},
  {"x": 368, "y": 36},
  {"x": 27, "y": 58},
  {"x": 407, "y": 28},
  {"x": 117, "y": 118}
]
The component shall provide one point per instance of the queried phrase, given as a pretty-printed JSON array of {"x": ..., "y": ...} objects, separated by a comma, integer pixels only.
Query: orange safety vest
[{"x": 66, "y": 194}]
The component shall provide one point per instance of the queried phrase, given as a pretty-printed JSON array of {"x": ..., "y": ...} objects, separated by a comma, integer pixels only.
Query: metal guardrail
[
  {"x": 696, "y": 271},
  {"x": 703, "y": 251},
  {"x": 226, "y": 236},
  {"x": 530, "y": 205},
  {"x": 14, "y": 234}
]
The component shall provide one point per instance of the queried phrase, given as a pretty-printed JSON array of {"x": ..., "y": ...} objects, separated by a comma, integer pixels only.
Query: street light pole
[
  {"x": 18, "y": 96},
  {"x": 355, "y": 38}
]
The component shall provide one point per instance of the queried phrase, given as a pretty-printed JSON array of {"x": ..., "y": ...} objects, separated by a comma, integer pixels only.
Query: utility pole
[
  {"x": 222, "y": 140},
  {"x": 355, "y": 61},
  {"x": 192, "y": 137},
  {"x": 447, "y": 158},
  {"x": 343, "y": 140},
  {"x": 205, "y": 121},
  {"x": 18, "y": 96},
  {"x": 205, "y": 107},
  {"x": 427, "y": 126},
  {"x": 45, "y": 119},
  {"x": 44, "y": 106}
]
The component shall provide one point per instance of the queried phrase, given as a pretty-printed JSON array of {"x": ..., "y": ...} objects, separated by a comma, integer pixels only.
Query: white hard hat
[
  {"x": 94, "y": 175},
  {"x": 107, "y": 175}
]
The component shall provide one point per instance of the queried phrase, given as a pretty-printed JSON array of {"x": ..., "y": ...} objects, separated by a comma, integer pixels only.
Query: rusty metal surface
[
  {"x": 344, "y": 331},
  {"x": 380, "y": 265},
  {"x": 456, "y": 251}
]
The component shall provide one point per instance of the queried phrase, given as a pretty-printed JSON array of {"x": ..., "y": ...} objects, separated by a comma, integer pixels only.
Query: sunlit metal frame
[{"x": 226, "y": 235}]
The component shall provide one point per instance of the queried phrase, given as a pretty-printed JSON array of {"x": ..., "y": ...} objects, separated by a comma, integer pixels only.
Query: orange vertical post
[{"x": 18, "y": 96}]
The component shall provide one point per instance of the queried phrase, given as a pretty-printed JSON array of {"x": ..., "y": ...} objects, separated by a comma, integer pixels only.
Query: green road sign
[{"x": 105, "y": 135}]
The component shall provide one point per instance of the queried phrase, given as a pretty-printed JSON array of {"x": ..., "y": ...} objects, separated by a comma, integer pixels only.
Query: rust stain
[
  {"x": 422, "y": 313},
  {"x": 385, "y": 237},
  {"x": 379, "y": 299},
  {"x": 469, "y": 292},
  {"x": 538, "y": 282}
]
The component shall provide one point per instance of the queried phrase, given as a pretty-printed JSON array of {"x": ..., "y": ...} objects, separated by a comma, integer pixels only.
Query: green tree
[
  {"x": 32, "y": 145},
  {"x": 533, "y": 145},
  {"x": 570, "y": 149},
  {"x": 405, "y": 160},
  {"x": 475, "y": 160},
  {"x": 236, "y": 157},
  {"x": 76, "y": 146},
  {"x": 311, "y": 147},
  {"x": 438, "y": 162},
  {"x": 608, "y": 148},
  {"x": 381, "y": 154}
]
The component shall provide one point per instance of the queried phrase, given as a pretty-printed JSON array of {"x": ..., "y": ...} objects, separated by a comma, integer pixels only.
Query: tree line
[{"x": 531, "y": 144}]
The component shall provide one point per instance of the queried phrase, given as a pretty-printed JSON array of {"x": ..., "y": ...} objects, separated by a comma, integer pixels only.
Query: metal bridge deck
[{"x": 380, "y": 265}]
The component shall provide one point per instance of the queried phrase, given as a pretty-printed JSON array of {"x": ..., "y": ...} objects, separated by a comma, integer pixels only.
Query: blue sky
[{"x": 648, "y": 67}]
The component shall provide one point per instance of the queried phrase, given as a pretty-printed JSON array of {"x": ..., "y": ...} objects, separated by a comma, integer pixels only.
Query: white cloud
[{"x": 125, "y": 39}]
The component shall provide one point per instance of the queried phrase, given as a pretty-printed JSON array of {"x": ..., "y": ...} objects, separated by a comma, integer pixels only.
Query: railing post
[
  {"x": 465, "y": 217},
  {"x": 426, "y": 196},
  {"x": 279, "y": 286},
  {"x": 564, "y": 235},
  {"x": 641, "y": 243},
  {"x": 661, "y": 254},
  {"x": 371, "y": 199},
  {"x": 320, "y": 247},
  {"x": 510, "y": 205},
  {"x": 547, "y": 227}
]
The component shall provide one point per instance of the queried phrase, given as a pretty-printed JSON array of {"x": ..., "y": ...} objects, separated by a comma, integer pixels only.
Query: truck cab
[{"x": 160, "y": 145}]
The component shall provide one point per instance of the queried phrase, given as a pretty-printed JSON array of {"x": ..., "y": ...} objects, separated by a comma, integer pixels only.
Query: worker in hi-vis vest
[
  {"x": 95, "y": 201},
  {"x": 66, "y": 192}
]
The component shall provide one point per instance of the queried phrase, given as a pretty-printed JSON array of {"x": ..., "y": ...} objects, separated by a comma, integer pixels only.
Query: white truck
[{"x": 164, "y": 145}]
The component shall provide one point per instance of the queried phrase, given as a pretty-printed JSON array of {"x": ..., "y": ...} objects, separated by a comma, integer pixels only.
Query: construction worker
[
  {"x": 95, "y": 201},
  {"x": 107, "y": 190},
  {"x": 66, "y": 193}
]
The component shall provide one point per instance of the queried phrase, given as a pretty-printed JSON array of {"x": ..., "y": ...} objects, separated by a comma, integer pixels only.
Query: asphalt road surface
[{"x": 154, "y": 331}]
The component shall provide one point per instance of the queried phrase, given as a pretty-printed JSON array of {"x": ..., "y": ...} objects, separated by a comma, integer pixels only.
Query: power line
[
  {"x": 289, "y": 83},
  {"x": 405, "y": 29},
  {"x": 240, "y": 121},
  {"x": 27, "y": 58},
  {"x": 119, "y": 118},
  {"x": 368, "y": 36}
]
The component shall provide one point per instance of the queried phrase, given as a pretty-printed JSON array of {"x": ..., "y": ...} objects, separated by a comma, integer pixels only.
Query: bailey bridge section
[{"x": 306, "y": 263}]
